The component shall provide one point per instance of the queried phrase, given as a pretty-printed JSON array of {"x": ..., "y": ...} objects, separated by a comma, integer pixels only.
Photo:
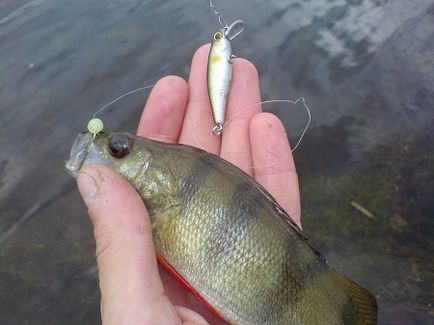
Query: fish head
[{"x": 117, "y": 150}]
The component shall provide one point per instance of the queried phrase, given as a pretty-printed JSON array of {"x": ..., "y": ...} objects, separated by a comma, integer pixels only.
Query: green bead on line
[{"x": 95, "y": 126}]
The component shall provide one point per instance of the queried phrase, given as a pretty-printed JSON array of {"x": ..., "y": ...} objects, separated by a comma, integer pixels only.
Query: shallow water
[{"x": 366, "y": 69}]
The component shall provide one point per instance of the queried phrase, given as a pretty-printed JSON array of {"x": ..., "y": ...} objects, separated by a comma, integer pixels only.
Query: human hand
[{"x": 134, "y": 290}]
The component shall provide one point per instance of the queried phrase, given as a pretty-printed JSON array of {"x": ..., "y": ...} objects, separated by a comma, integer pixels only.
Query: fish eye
[
  {"x": 120, "y": 145},
  {"x": 218, "y": 36}
]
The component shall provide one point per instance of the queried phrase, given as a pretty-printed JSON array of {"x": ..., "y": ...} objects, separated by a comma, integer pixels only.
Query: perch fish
[{"x": 226, "y": 237}]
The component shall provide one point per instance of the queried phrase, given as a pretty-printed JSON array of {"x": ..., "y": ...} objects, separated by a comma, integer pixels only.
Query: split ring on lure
[{"x": 219, "y": 74}]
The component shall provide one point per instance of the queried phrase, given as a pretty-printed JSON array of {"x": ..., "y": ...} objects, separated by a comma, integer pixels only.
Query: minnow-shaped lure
[{"x": 219, "y": 73}]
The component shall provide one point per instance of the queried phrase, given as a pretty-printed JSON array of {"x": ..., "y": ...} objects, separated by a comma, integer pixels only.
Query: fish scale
[{"x": 226, "y": 237}]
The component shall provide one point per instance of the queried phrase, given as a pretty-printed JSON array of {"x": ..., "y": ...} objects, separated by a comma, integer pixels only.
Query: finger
[
  {"x": 164, "y": 111},
  {"x": 274, "y": 164},
  {"x": 243, "y": 104},
  {"x": 198, "y": 122},
  {"x": 131, "y": 289},
  {"x": 181, "y": 296},
  {"x": 189, "y": 317}
]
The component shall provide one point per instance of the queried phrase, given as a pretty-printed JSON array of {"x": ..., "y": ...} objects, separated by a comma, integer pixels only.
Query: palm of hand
[{"x": 180, "y": 113}]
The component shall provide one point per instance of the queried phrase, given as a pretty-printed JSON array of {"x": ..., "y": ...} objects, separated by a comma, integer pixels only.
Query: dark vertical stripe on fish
[
  {"x": 201, "y": 167},
  {"x": 228, "y": 229},
  {"x": 297, "y": 275},
  {"x": 247, "y": 209}
]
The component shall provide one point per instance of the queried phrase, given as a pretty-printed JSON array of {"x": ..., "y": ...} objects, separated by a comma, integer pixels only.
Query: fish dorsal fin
[{"x": 363, "y": 302}]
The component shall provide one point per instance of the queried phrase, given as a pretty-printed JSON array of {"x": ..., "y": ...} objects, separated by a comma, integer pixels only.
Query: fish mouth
[{"x": 79, "y": 151}]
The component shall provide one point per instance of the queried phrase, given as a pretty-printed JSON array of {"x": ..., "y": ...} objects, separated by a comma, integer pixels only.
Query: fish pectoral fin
[{"x": 162, "y": 216}]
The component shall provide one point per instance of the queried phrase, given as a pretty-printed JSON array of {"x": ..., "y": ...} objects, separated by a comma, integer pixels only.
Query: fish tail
[{"x": 364, "y": 304}]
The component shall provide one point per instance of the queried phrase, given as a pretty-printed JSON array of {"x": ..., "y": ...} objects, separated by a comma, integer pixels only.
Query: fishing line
[
  {"x": 301, "y": 99},
  {"x": 96, "y": 125},
  {"x": 222, "y": 21},
  {"x": 120, "y": 98},
  {"x": 288, "y": 101}
]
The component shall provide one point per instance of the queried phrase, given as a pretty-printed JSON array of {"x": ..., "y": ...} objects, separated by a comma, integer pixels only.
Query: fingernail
[{"x": 87, "y": 187}]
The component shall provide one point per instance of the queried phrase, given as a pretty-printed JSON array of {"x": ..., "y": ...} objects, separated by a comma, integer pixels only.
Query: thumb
[{"x": 131, "y": 288}]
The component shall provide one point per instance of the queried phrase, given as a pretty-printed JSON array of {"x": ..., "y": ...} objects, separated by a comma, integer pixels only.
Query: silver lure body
[{"x": 219, "y": 77}]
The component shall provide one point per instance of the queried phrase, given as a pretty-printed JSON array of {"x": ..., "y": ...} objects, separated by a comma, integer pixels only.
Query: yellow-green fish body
[{"x": 227, "y": 237}]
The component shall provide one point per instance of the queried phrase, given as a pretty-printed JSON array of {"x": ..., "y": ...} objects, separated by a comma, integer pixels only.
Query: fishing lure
[
  {"x": 219, "y": 71},
  {"x": 96, "y": 125}
]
